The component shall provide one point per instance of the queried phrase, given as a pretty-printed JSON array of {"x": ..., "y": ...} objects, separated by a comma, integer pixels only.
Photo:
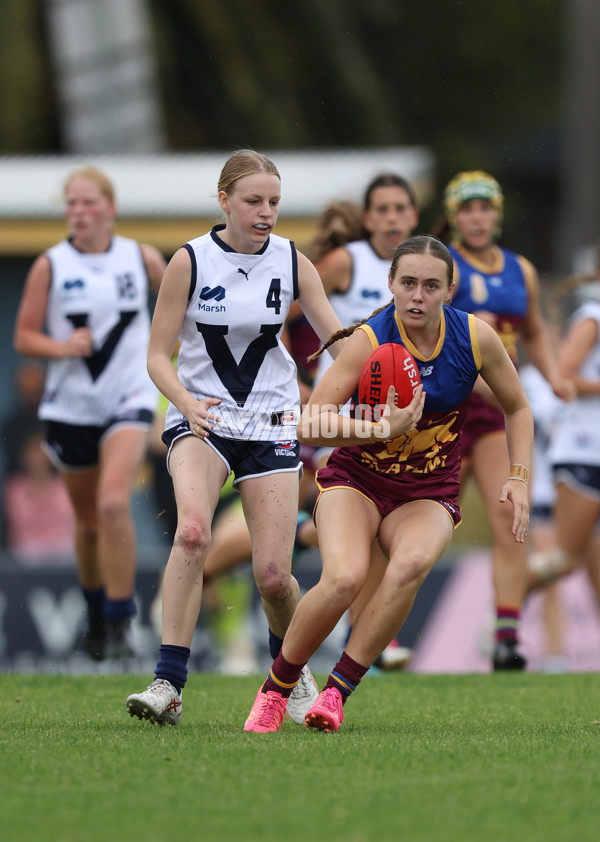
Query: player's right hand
[{"x": 80, "y": 343}]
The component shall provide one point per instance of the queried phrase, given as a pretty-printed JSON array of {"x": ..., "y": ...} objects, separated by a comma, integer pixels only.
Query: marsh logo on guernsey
[
  {"x": 72, "y": 289},
  {"x": 284, "y": 448},
  {"x": 211, "y": 293}
]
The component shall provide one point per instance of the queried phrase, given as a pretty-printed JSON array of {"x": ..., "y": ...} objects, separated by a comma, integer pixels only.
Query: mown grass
[{"x": 501, "y": 758}]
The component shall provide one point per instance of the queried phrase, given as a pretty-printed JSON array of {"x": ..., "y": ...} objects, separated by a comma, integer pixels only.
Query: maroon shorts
[
  {"x": 481, "y": 419},
  {"x": 340, "y": 476}
]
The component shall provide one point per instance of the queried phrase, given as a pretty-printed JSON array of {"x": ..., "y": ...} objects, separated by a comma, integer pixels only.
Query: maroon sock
[
  {"x": 508, "y": 621},
  {"x": 283, "y": 676},
  {"x": 346, "y": 676}
]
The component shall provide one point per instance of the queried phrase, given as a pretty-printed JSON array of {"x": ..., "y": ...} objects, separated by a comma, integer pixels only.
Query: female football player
[
  {"x": 395, "y": 479},
  {"x": 234, "y": 406},
  {"x": 90, "y": 292},
  {"x": 503, "y": 289}
]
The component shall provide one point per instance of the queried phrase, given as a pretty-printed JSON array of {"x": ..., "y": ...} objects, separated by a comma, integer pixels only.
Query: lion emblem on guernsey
[{"x": 427, "y": 441}]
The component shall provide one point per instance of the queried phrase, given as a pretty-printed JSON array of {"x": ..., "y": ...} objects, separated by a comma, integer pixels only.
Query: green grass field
[{"x": 486, "y": 757}]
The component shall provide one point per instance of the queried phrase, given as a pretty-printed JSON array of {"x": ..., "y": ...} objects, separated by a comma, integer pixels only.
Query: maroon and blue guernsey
[{"x": 425, "y": 462}]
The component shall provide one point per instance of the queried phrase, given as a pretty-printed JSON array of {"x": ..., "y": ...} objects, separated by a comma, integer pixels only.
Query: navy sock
[
  {"x": 119, "y": 609},
  {"x": 275, "y": 644},
  {"x": 95, "y": 598},
  {"x": 173, "y": 665}
]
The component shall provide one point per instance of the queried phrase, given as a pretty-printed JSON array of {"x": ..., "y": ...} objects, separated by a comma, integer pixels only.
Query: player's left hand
[{"x": 518, "y": 494}]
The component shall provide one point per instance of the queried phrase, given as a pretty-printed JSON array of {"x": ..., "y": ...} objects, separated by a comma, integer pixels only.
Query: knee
[
  {"x": 343, "y": 587},
  {"x": 411, "y": 572},
  {"x": 192, "y": 537},
  {"x": 274, "y": 583},
  {"x": 112, "y": 508}
]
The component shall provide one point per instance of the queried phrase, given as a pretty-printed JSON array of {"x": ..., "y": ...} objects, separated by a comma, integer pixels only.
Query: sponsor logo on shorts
[{"x": 284, "y": 448}]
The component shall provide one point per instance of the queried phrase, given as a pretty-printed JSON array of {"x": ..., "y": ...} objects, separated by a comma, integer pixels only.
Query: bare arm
[
  {"x": 315, "y": 304},
  {"x": 321, "y": 423},
  {"x": 30, "y": 337},
  {"x": 501, "y": 376},
  {"x": 154, "y": 264},
  {"x": 168, "y": 318},
  {"x": 335, "y": 270},
  {"x": 537, "y": 342}
]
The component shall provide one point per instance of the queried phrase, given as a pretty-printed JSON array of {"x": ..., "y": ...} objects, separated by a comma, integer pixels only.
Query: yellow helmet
[{"x": 475, "y": 184}]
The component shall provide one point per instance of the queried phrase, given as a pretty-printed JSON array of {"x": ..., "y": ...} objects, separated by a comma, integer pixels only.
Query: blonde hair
[
  {"x": 102, "y": 181},
  {"x": 241, "y": 163}
]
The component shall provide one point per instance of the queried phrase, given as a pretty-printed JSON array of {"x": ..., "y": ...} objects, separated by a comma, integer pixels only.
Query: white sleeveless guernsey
[
  {"x": 108, "y": 293},
  {"x": 576, "y": 440},
  {"x": 231, "y": 345}
]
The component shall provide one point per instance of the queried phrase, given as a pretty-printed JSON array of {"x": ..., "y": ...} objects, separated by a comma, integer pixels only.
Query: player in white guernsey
[
  {"x": 574, "y": 450},
  {"x": 233, "y": 407},
  {"x": 85, "y": 309}
]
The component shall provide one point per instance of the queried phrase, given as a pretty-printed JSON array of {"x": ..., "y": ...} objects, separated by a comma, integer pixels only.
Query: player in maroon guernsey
[{"x": 394, "y": 479}]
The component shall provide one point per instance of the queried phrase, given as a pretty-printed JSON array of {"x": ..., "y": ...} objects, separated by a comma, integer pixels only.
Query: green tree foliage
[
  {"x": 30, "y": 116},
  {"x": 477, "y": 82},
  {"x": 456, "y": 74},
  {"x": 459, "y": 75}
]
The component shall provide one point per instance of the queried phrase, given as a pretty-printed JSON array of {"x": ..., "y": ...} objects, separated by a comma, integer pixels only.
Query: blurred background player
[
  {"x": 501, "y": 288},
  {"x": 574, "y": 450},
  {"x": 545, "y": 407},
  {"x": 84, "y": 308},
  {"x": 21, "y": 421},
  {"x": 38, "y": 513}
]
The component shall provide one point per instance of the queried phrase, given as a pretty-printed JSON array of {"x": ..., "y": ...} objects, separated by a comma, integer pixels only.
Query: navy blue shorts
[
  {"x": 77, "y": 446},
  {"x": 247, "y": 459},
  {"x": 582, "y": 479}
]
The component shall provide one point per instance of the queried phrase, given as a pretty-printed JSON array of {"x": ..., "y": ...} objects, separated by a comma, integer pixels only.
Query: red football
[{"x": 389, "y": 365}]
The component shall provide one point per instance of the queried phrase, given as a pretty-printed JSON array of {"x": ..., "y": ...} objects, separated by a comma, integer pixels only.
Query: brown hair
[
  {"x": 421, "y": 244},
  {"x": 388, "y": 179},
  {"x": 102, "y": 181},
  {"x": 241, "y": 163},
  {"x": 339, "y": 223},
  {"x": 424, "y": 244}
]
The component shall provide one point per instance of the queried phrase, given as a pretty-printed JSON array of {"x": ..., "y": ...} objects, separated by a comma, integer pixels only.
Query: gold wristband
[{"x": 520, "y": 472}]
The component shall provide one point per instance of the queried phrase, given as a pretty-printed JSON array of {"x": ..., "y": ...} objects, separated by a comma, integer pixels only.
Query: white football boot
[
  {"x": 160, "y": 703},
  {"x": 303, "y": 696}
]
